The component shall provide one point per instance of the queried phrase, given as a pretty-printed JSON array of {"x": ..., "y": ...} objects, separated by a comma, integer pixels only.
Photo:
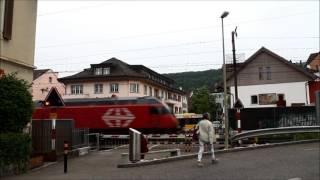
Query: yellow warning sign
[{"x": 53, "y": 115}]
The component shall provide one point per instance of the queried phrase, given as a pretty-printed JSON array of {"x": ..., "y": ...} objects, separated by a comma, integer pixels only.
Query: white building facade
[
  {"x": 267, "y": 95},
  {"x": 266, "y": 78},
  {"x": 114, "y": 78}
]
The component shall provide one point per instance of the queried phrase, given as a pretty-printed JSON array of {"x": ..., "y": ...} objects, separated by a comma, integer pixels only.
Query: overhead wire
[
  {"x": 164, "y": 56},
  {"x": 169, "y": 32}
]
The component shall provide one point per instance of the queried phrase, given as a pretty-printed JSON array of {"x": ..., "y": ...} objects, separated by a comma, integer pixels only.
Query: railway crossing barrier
[{"x": 153, "y": 155}]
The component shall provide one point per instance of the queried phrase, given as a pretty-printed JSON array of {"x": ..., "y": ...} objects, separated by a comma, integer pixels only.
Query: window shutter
[{"x": 8, "y": 15}]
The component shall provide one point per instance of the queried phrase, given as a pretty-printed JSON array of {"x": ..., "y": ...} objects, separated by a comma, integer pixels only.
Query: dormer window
[
  {"x": 106, "y": 71},
  {"x": 102, "y": 71},
  {"x": 98, "y": 71}
]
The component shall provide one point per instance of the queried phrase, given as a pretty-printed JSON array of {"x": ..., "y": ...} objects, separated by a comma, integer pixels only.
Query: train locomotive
[{"x": 109, "y": 115}]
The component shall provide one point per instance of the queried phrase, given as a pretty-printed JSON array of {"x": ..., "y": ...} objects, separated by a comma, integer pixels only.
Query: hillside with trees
[{"x": 196, "y": 79}]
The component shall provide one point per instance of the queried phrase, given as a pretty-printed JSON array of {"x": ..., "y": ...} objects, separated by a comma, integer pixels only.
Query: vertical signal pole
[
  {"x": 238, "y": 120},
  {"x": 65, "y": 152},
  {"x": 234, "y": 33},
  {"x": 53, "y": 135}
]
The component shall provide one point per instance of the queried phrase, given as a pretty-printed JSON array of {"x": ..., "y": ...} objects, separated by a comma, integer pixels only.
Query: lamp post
[{"x": 226, "y": 123}]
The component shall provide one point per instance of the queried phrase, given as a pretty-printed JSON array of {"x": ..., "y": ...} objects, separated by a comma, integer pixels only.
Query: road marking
[
  {"x": 310, "y": 149},
  {"x": 297, "y": 178}
]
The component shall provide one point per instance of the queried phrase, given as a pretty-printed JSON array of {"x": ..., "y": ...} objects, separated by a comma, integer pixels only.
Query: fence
[
  {"x": 42, "y": 135},
  {"x": 273, "y": 117}
]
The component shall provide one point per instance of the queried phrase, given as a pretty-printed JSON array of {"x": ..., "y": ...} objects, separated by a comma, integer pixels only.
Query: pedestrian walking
[{"x": 206, "y": 134}]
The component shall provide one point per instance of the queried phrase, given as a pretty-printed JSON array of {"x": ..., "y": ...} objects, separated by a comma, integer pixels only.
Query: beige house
[
  {"x": 43, "y": 81},
  {"x": 116, "y": 78},
  {"x": 17, "y": 37}
]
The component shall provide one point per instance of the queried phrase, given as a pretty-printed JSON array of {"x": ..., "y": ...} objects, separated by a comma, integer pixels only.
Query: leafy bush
[
  {"x": 16, "y": 104},
  {"x": 16, "y": 108},
  {"x": 14, "y": 152}
]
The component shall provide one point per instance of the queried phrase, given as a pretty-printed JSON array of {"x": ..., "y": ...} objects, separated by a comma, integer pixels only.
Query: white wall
[
  {"x": 124, "y": 91},
  {"x": 293, "y": 92}
]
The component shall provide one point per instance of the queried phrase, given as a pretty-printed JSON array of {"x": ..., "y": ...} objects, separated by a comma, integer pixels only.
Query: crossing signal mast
[
  {"x": 234, "y": 33},
  {"x": 53, "y": 99}
]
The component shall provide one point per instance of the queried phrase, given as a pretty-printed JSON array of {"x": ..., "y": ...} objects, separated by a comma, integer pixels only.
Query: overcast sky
[{"x": 170, "y": 36}]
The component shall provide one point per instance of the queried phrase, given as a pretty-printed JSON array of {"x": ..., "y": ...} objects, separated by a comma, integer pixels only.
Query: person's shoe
[
  {"x": 200, "y": 164},
  {"x": 214, "y": 161}
]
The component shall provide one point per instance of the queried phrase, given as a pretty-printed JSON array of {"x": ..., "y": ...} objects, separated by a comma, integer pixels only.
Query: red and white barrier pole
[
  {"x": 238, "y": 121},
  {"x": 53, "y": 135}
]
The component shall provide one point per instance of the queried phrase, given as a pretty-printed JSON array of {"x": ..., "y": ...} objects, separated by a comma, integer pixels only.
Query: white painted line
[
  {"x": 310, "y": 149},
  {"x": 297, "y": 178}
]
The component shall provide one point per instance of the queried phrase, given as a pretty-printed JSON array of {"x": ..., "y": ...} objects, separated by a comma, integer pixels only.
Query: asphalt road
[{"x": 298, "y": 162}]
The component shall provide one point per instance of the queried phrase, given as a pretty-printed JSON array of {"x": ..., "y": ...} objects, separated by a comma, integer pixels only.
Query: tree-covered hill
[{"x": 193, "y": 80}]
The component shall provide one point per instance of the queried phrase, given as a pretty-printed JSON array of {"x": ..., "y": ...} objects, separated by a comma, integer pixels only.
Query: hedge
[
  {"x": 16, "y": 104},
  {"x": 15, "y": 149}
]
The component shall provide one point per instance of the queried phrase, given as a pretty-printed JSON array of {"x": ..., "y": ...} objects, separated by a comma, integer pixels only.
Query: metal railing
[{"x": 272, "y": 131}]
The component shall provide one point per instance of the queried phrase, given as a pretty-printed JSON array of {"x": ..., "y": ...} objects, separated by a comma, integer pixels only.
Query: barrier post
[
  {"x": 238, "y": 120},
  {"x": 134, "y": 145},
  {"x": 65, "y": 152}
]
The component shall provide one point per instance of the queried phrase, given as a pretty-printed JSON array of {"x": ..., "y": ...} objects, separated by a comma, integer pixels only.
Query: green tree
[
  {"x": 16, "y": 104},
  {"x": 16, "y": 108},
  {"x": 202, "y": 101}
]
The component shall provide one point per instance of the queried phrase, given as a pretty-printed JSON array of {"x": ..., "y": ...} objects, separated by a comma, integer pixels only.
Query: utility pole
[
  {"x": 234, "y": 33},
  {"x": 225, "y": 105}
]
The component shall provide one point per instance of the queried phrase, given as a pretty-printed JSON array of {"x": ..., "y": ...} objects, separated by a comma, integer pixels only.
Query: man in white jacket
[{"x": 206, "y": 134}]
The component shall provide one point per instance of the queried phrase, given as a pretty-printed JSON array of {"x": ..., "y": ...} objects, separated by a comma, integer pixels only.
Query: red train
[{"x": 110, "y": 115}]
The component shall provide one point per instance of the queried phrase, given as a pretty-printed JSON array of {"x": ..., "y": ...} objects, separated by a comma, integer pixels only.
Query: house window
[
  {"x": 268, "y": 71},
  {"x": 265, "y": 73},
  {"x": 106, "y": 71},
  {"x": 156, "y": 93},
  {"x": 50, "y": 79},
  {"x": 98, "y": 88},
  {"x": 176, "y": 110},
  {"x": 145, "y": 90},
  {"x": 266, "y": 99},
  {"x": 254, "y": 99},
  {"x": 1, "y": 15},
  {"x": 98, "y": 71},
  {"x": 260, "y": 73},
  {"x": 134, "y": 88},
  {"x": 150, "y": 91},
  {"x": 162, "y": 94},
  {"x": 6, "y": 18},
  {"x": 114, "y": 87},
  {"x": 76, "y": 89}
]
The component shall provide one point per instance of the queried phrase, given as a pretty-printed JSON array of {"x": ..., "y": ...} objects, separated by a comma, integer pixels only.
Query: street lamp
[{"x": 226, "y": 123}]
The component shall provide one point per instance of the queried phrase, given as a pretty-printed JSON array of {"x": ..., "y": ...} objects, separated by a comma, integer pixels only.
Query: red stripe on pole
[{"x": 53, "y": 134}]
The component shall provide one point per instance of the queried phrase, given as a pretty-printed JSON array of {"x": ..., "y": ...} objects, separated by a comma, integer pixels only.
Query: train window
[
  {"x": 164, "y": 110},
  {"x": 159, "y": 110},
  {"x": 147, "y": 101},
  {"x": 126, "y": 102},
  {"x": 154, "y": 110}
]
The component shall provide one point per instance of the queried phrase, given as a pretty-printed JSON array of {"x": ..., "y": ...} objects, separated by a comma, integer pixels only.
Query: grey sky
[{"x": 170, "y": 36}]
